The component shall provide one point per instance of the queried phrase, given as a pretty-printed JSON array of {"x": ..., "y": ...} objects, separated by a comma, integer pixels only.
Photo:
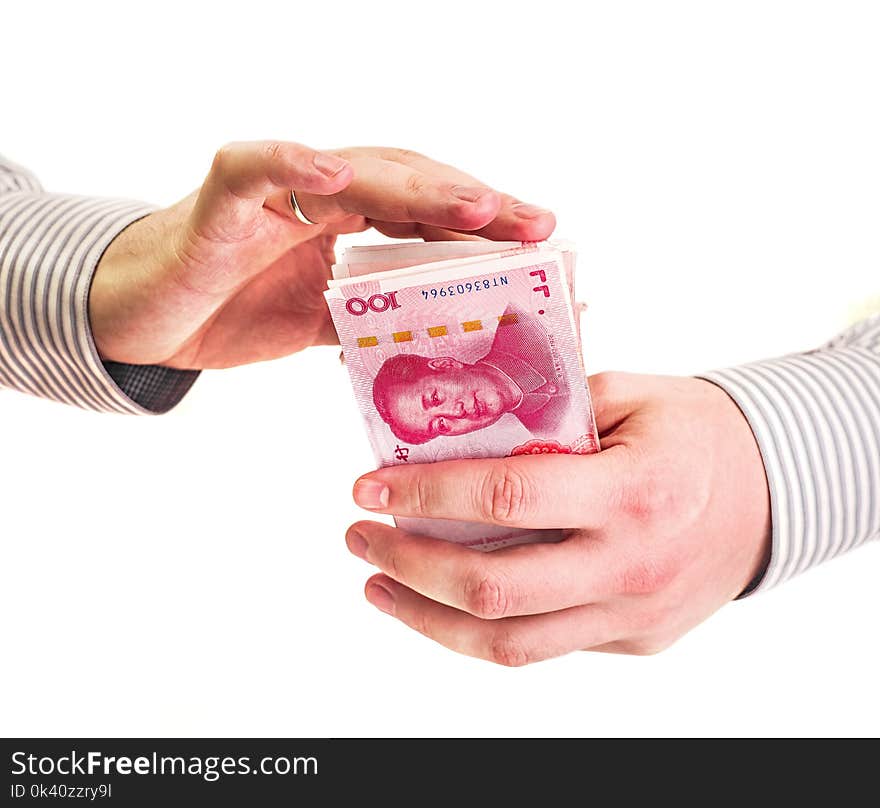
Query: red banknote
[{"x": 464, "y": 350}]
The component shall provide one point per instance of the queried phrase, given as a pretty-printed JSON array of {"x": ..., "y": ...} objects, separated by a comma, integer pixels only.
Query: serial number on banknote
[{"x": 467, "y": 287}]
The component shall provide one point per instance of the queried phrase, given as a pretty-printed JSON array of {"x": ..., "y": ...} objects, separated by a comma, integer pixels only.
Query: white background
[{"x": 717, "y": 165}]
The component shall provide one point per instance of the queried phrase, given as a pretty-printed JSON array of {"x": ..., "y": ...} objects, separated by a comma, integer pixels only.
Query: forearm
[
  {"x": 816, "y": 419},
  {"x": 50, "y": 245}
]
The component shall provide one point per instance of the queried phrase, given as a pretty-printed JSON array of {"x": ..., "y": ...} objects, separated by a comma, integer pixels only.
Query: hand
[
  {"x": 667, "y": 523},
  {"x": 229, "y": 275}
]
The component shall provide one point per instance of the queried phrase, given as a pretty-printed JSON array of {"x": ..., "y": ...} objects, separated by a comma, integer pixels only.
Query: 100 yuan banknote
[
  {"x": 468, "y": 358},
  {"x": 425, "y": 256}
]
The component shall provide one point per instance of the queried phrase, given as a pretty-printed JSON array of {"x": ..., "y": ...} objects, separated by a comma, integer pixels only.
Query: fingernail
[
  {"x": 327, "y": 164},
  {"x": 357, "y": 544},
  {"x": 467, "y": 194},
  {"x": 371, "y": 494},
  {"x": 381, "y": 598},
  {"x": 525, "y": 211}
]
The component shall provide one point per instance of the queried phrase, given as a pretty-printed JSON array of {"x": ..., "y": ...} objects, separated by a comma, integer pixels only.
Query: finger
[
  {"x": 513, "y": 641},
  {"x": 491, "y": 231},
  {"x": 422, "y": 231},
  {"x": 391, "y": 192},
  {"x": 534, "y": 491},
  {"x": 635, "y": 645},
  {"x": 429, "y": 233},
  {"x": 527, "y": 579},
  {"x": 420, "y": 162},
  {"x": 615, "y": 397},
  {"x": 515, "y": 221},
  {"x": 244, "y": 175},
  {"x": 350, "y": 224}
]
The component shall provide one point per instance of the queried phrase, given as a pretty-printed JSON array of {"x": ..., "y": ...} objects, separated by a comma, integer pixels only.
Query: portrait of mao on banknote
[{"x": 422, "y": 398}]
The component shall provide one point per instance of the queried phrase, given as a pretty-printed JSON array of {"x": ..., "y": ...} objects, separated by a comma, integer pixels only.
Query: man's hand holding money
[{"x": 666, "y": 524}]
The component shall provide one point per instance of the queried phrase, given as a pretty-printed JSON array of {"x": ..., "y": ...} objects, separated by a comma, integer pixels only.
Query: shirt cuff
[
  {"x": 816, "y": 420},
  {"x": 155, "y": 388},
  {"x": 50, "y": 247}
]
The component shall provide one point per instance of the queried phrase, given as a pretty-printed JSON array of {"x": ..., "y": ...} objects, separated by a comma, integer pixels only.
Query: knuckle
[
  {"x": 222, "y": 158},
  {"x": 609, "y": 384},
  {"x": 415, "y": 185},
  {"x": 602, "y": 384},
  {"x": 650, "y": 498},
  {"x": 274, "y": 150},
  {"x": 505, "y": 648},
  {"x": 665, "y": 492},
  {"x": 407, "y": 155},
  {"x": 279, "y": 156},
  {"x": 393, "y": 564},
  {"x": 487, "y": 595},
  {"x": 503, "y": 497},
  {"x": 422, "y": 496},
  {"x": 647, "y": 576},
  {"x": 421, "y": 622}
]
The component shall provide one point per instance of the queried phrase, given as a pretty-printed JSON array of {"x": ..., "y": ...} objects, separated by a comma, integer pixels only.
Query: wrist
[
  {"x": 742, "y": 472},
  {"x": 125, "y": 287},
  {"x": 107, "y": 298}
]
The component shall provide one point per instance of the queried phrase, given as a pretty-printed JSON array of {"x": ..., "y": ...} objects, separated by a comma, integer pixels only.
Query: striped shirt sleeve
[
  {"x": 816, "y": 419},
  {"x": 50, "y": 245}
]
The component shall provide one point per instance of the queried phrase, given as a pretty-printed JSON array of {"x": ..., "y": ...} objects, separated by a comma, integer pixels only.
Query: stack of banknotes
[{"x": 464, "y": 349}]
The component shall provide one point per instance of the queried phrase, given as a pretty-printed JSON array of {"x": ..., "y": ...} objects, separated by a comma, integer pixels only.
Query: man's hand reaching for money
[
  {"x": 670, "y": 521},
  {"x": 229, "y": 275}
]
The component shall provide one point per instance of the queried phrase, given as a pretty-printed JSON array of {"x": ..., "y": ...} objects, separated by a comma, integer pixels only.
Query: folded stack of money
[{"x": 464, "y": 349}]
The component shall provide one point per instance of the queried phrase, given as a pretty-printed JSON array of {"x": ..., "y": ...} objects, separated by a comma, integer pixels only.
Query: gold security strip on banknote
[{"x": 464, "y": 354}]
